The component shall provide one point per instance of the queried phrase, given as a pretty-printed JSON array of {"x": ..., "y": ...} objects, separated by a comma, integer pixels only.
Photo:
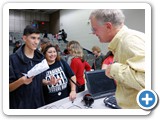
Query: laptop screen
[{"x": 98, "y": 83}]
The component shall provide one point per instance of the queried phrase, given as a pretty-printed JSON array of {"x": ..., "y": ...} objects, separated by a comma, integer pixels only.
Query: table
[{"x": 77, "y": 104}]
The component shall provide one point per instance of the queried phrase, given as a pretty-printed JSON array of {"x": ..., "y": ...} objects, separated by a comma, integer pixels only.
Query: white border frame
[{"x": 8, "y": 6}]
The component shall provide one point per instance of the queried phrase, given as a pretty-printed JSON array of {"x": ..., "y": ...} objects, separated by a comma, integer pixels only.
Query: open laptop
[{"x": 100, "y": 86}]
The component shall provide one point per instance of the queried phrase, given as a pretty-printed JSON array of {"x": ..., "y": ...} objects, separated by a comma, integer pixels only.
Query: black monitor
[{"x": 98, "y": 84}]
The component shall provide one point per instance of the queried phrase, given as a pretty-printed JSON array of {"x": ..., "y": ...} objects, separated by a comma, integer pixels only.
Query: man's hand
[{"x": 107, "y": 71}]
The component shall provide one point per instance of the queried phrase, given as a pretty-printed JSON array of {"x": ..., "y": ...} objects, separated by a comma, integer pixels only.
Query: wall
[
  {"x": 75, "y": 23},
  {"x": 18, "y": 19},
  {"x": 55, "y": 22},
  {"x": 135, "y": 19}
]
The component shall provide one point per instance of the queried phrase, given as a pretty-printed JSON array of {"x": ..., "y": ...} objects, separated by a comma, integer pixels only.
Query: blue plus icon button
[{"x": 147, "y": 99}]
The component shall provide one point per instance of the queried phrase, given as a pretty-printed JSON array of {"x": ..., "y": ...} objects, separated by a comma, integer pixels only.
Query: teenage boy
[{"x": 26, "y": 93}]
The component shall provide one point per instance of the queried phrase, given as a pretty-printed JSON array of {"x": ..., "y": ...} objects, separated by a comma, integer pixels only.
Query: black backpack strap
[{"x": 62, "y": 65}]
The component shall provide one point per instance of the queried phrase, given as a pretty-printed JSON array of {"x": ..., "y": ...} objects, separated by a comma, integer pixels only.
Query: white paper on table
[{"x": 37, "y": 69}]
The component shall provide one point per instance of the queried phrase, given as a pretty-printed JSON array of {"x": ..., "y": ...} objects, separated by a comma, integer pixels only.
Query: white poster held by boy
[{"x": 37, "y": 69}]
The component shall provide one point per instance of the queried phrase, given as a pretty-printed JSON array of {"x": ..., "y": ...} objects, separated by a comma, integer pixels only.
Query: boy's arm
[{"x": 16, "y": 84}]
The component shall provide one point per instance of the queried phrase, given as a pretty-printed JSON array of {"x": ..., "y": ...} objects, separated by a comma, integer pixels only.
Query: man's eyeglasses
[
  {"x": 97, "y": 28},
  {"x": 93, "y": 30}
]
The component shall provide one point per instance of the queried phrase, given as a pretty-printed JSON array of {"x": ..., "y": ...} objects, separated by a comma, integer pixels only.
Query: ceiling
[{"x": 44, "y": 11}]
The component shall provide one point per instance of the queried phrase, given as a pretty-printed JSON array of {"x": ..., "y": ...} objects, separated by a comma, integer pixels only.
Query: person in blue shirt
[{"x": 26, "y": 93}]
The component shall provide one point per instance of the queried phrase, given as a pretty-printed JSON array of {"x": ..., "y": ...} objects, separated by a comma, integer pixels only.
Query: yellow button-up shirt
[{"x": 128, "y": 47}]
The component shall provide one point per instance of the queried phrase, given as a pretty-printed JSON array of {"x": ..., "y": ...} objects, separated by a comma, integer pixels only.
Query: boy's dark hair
[{"x": 30, "y": 30}]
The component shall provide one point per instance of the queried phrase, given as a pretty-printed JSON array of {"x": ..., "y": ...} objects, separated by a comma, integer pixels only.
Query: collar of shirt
[{"x": 114, "y": 43}]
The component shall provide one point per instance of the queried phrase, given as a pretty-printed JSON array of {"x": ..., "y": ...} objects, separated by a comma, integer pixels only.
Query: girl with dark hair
[{"x": 56, "y": 83}]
